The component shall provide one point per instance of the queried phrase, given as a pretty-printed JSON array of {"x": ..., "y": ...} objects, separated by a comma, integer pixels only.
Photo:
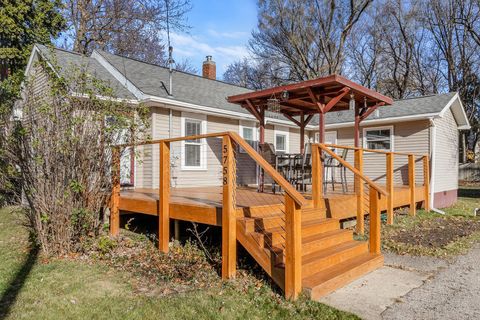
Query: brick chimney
[{"x": 209, "y": 70}]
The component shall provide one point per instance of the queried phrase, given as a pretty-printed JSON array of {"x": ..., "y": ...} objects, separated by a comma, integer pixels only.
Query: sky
[{"x": 220, "y": 28}]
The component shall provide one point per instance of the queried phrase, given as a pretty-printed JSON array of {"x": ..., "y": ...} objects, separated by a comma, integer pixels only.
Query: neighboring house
[{"x": 197, "y": 105}]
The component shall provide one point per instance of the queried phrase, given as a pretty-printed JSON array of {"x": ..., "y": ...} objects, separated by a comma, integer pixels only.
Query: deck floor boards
[{"x": 339, "y": 205}]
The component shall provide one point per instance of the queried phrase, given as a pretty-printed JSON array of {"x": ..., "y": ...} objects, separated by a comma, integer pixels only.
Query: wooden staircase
[{"x": 331, "y": 257}]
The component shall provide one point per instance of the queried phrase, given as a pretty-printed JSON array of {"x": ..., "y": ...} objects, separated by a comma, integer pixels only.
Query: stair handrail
[
  {"x": 271, "y": 171},
  {"x": 347, "y": 165}
]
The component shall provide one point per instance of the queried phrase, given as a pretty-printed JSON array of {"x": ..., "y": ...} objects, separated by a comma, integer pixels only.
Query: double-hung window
[
  {"x": 248, "y": 133},
  {"x": 193, "y": 150},
  {"x": 378, "y": 138},
  {"x": 281, "y": 139}
]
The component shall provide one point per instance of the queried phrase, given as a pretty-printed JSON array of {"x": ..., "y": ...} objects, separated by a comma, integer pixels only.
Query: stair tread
[
  {"x": 338, "y": 270},
  {"x": 305, "y": 224},
  {"x": 323, "y": 235},
  {"x": 331, "y": 250},
  {"x": 276, "y": 215}
]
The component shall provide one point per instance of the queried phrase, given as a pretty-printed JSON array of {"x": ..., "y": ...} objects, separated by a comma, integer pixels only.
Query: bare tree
[
  {"x": 126, "y": 27},
  {"x": 252, "y": 74},
  {"x": 450, "y": 23},
  {"x": 306, "y": 38}
]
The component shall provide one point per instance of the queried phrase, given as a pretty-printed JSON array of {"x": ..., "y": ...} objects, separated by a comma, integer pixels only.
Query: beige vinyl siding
[
  {"x": 446, "y": 153},
  {"x": 159, "y": 131},
  {"x": 410, "y": 137},
  {"x": 144, "y": 159},
  {"x": 212, "y": 174}
]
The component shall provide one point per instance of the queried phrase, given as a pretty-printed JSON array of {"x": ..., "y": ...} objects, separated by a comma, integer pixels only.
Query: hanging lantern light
[
  {"x": 273, "y": 104},
  {"x": 285, "y": 95},
  {"x": 351, "y": 104}
]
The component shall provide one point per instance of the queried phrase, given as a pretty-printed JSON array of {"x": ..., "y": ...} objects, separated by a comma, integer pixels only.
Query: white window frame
[
  {"x": 203, "y": 143},
  {"x": 317, "y": 136},
  {"x": 281, "y": 131},
  {"x": 250, "y": 125},
  {"x": 392, "y": 136}
]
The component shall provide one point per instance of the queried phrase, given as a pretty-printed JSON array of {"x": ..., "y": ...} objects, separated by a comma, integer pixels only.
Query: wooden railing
[
  {"x": 389, "y": 175},
  {"x": 375, "y": 194},
  {"x": 293, "y": 201}
]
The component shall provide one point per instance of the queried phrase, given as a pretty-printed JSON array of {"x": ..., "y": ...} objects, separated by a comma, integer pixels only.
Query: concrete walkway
[{"x": 415, "y": 288}]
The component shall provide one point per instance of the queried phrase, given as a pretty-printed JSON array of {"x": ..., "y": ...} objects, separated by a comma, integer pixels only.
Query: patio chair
[
  {"x": 330, "y": 165},
  {"x": 267, "y": 151},
  {"x": 303, "y": 169}
]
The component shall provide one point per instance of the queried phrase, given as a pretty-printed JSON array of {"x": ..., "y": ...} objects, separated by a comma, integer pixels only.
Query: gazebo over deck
[{"x": 299, "y": 102}]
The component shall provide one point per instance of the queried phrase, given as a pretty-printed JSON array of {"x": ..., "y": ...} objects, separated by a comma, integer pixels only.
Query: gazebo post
[
  {"x": 262, "y": 125},
  {"x": 302, "y": 133},
  {"x": 261, "y": 182},
  {"x": 321, "y": 127},
  {"x": 356, "y": 133}
]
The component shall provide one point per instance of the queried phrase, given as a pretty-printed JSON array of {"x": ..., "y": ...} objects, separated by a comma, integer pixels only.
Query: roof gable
[{"x": 63, "y": 62}]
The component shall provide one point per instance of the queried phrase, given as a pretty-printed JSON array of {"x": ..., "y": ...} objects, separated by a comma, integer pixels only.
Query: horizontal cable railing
[{"x": 391, "y": 170}]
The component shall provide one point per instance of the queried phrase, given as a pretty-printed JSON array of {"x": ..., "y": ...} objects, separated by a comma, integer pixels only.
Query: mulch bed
[{"x": 437, "y": 232}]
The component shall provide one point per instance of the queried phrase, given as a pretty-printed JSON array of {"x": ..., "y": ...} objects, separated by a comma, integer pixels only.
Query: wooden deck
[
  {"x": 295, "y": 237},
  {"x": 204, "y": 205}
]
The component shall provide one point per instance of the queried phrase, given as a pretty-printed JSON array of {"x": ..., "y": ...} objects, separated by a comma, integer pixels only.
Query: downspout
[{"x": 433, "y": 133}]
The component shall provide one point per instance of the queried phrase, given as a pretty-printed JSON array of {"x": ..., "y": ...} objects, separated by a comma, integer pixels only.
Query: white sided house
[{"x": 195, "y": 105}]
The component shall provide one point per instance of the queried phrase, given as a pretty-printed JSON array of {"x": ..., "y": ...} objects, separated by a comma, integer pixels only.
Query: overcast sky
[{"x": 220, "y": 28}]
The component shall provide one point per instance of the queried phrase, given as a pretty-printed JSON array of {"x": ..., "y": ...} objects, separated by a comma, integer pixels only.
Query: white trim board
[{"x": 118, "y": 75}]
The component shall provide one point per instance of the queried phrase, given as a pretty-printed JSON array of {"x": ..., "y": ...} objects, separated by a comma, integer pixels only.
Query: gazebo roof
[{"x": 307, "y": 97}]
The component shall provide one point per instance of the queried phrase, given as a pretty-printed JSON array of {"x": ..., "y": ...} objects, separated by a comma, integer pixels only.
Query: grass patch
[
  {"x": 432, "y": 234},
  {"x": 88, "y": 287}
]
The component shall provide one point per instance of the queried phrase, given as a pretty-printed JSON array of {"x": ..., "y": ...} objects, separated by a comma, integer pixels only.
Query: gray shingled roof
[
  {"x": 67, "y": 60},
  {"x": 399, "y": 108},
  {"x": 187, "y": 87},
  {"x": 198, "y": 90}
]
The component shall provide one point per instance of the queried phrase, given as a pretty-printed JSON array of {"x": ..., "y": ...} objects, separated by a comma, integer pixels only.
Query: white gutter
[
  {"x": 433, "y": 133},
  {"x": 191, "y": 107}
]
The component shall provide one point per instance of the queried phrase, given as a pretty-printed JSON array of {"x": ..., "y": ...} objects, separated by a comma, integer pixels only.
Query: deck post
[
  {"x": 411, "y": 184},
  {"x": 390, "y": 188},
  {"x": 359, "y": 190},
  {"x": 317, "y": 177},
  {"x": 164, "y": 197},
  {"x": 115, "y": 197},
  {"x": 229, "y": 236},
  {"x": 375, "y": 222},
  {"x": 293, "y": 248},
  {"x": 426, "y": 182}
]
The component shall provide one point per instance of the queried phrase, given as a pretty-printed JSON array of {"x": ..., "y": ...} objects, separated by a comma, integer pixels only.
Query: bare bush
[{"x": 62, "y": 149}]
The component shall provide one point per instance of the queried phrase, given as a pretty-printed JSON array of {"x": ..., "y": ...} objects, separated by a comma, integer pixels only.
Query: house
[
  {"x": 196, "y": 105},
  {"x": 191, "y": 171}
]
